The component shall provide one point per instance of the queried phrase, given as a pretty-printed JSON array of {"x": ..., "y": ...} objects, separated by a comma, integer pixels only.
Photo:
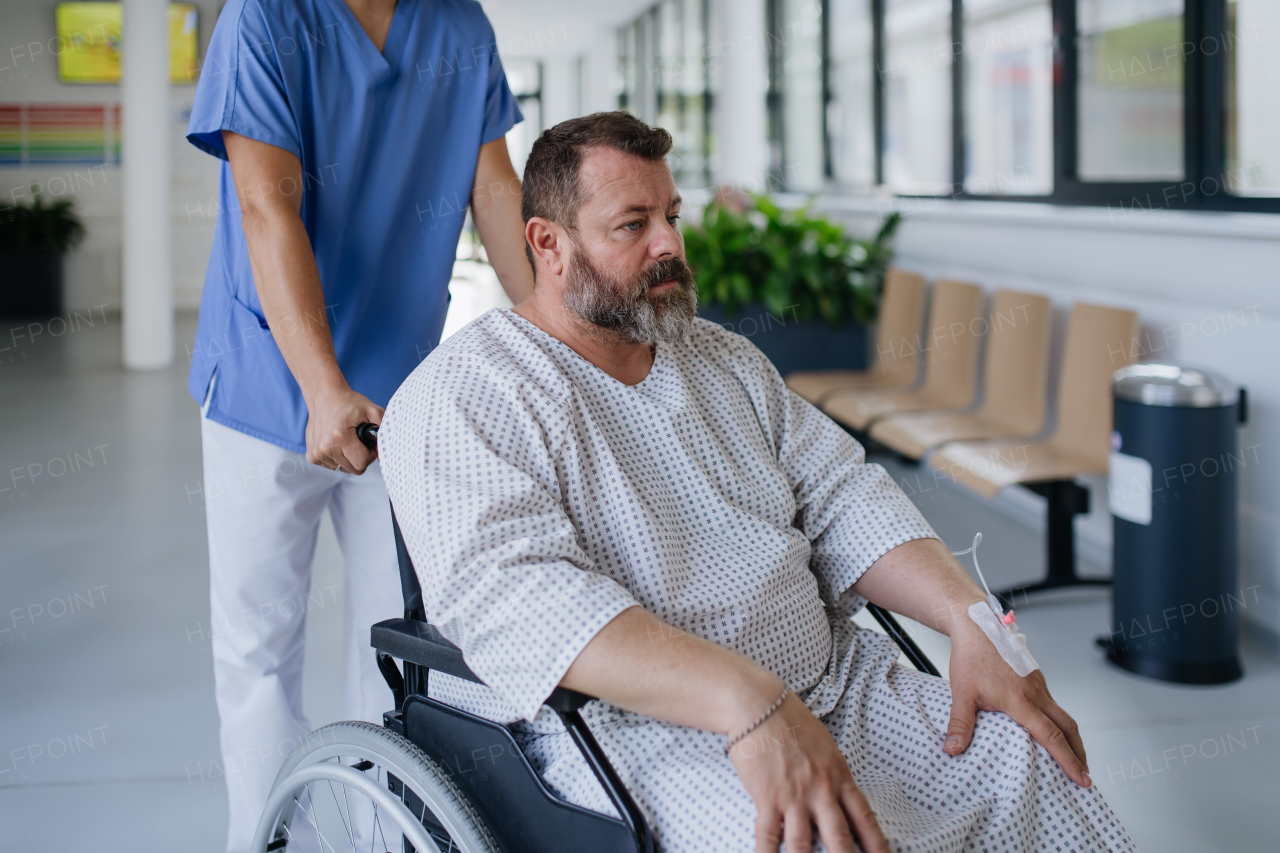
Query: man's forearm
[
  {"x": 642, "y": 664},
  {"x": 922, "y": 581}
]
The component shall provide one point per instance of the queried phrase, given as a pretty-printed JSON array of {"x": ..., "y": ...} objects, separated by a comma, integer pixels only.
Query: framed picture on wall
[{"x": 90, "y": 42}]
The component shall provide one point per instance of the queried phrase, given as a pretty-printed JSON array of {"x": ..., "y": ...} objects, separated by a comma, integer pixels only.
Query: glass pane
[
  {"x": 693, "y": 87},
  {"x": 1008, "y": 51},
  {"x": 520, "y": 138},
  {"x": 624, "y": 86},
  {"x": 524, "y": 76},
  {"x": 665, "y": 76},
  {"x": 917, "y": 95},
  {"x": 802, "y": 102},
  {"x": 1130, "y": 90},
  {"x": 679, "y": 81},
  {"x": 851, "y": 114},
  {"x": 1253, "y": 97}
]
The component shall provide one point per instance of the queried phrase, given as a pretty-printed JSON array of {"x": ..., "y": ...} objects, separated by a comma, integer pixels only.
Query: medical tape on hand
[
  {"x": 1008, "y": 640},
  {"x": 1001, "y": 630}
]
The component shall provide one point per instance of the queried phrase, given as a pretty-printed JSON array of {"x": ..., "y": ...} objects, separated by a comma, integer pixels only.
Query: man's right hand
[
  {"x": 798, "y": 778},
  {"x": 790, "y": 764},
  {"x": 331, "y": 430}
]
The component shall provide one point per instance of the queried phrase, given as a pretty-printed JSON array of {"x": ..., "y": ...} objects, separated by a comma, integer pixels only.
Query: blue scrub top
[{"x": 388, "y": 144}]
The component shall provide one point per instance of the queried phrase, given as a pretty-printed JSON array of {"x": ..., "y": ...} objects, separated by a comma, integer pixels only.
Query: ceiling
[{"x": 543, "y": 27}]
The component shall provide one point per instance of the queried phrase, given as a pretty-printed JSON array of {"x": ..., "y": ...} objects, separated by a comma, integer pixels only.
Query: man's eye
[
  {"x": 632, "y": 226},
  {"x": 673, "y": 218}
]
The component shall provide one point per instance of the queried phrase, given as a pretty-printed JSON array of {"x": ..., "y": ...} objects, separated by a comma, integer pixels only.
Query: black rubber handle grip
[{"x": 368, "y": 435}]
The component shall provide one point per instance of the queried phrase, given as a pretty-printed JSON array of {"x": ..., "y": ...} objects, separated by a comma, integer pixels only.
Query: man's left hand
[{"x": 982, "y": 681}]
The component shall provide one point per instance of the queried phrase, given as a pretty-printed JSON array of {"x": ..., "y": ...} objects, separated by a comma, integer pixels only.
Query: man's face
[{"x": 627, "y": 272}]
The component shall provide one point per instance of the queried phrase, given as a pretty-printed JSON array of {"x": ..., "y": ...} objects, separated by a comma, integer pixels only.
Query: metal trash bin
[{"x": 1173, "y": 489}]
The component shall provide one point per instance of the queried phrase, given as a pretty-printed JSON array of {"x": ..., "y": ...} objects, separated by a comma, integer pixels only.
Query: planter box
[
  {"x": 792, "y": 345},
  {"x": 30, "y": 283}
]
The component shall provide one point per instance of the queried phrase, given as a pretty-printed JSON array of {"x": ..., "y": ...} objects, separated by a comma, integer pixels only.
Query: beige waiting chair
[
  {"x": 1015, "y": 384},
  {"x": 1099, "y": 342},
  {"x": 950, "y": 349},
  {"x": 901, "y": 312}
]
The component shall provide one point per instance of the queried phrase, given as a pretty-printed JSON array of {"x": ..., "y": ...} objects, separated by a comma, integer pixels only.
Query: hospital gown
[{"x": 539, "y": 498}]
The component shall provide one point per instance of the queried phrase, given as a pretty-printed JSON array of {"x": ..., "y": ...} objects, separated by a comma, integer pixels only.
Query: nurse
[{"x": 354, "y": 135}]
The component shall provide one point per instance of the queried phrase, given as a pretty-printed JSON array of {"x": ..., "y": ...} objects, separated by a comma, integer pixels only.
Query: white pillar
[
  {"x": 147, "y": 297},
  {"x": 738, "y": 44}
]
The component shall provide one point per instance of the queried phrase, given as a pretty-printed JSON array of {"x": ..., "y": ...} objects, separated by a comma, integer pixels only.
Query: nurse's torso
[{"x": 388, "y": 150}]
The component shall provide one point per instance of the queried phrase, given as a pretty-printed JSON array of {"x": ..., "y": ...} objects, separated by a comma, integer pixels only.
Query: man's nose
[{"x": 667, "y": 242}]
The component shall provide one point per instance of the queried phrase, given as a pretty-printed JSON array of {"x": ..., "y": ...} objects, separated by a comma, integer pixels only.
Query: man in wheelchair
[{"x": 604, "y": 493}]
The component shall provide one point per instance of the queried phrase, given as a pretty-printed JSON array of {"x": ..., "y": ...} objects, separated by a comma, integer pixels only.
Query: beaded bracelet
[{"x": 749, "y": 729}]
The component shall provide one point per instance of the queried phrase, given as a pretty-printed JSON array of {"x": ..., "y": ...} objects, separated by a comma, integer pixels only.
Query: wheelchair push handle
[{"x": 368, "y": 435}]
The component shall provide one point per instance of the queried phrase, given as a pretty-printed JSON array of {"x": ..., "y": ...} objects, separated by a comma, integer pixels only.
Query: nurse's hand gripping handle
[{"x": 368, "y": 435}]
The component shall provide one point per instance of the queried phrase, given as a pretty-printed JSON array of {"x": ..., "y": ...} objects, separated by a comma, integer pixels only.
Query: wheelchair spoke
[
  {"x": 345, "y": 823},
  {"x": 312, "y": 821},
  {"x": 353, "y": 820}
]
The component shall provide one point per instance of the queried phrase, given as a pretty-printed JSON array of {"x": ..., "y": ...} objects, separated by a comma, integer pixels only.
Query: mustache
[{"x": 668, "y": 269}]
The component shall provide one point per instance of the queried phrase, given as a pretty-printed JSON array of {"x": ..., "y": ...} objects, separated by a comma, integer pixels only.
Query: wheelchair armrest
[
  {"x": 564, "y": 700},
  {"x": 420, "y": 643}
]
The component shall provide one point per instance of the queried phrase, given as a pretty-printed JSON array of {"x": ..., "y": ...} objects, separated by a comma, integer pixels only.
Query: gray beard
[{"x": 606, "y": 304}]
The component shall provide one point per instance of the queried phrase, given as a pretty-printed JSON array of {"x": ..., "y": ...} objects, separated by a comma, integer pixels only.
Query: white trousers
[{"x": 263, "y": 506}]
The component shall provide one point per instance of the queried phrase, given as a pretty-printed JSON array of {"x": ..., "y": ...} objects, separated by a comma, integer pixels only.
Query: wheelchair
[{"x": 436, "y": 779}]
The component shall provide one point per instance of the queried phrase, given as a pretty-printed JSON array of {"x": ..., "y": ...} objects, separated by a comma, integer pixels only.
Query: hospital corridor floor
[{"x": 108, "y": 729}]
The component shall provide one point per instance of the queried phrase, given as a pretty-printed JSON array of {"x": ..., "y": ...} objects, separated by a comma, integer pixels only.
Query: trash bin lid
[{"x": 1170, "y": 385}]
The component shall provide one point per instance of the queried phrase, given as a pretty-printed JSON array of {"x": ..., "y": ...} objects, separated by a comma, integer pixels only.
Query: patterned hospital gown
[{"x": 539, "y": 498}]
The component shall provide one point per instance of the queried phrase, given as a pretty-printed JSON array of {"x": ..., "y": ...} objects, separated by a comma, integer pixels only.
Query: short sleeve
[
  {"x": 241, "y": 87},
  {"x": 501, "y": 110},
  {"x": 852, "y": 511}
]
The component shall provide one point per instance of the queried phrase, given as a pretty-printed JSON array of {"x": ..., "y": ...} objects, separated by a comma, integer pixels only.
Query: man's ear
[{"x": 549, "y": 244}]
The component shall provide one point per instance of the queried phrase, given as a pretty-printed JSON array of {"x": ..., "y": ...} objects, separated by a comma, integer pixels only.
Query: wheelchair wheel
[{"x": 357, "y": 786}]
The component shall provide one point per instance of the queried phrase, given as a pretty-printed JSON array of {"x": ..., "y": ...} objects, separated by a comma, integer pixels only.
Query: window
[
  {"x": 525, "y": 79},
  {"x": 1129, "y": 89},
  {"x": 662, "y": 79},
  {"x": 1252, "y": 40},
  {"x": 1008, "y": 97},
  {"x": 851, "y": 108},
  {"x": 797, "y": 96},
  {"x": 1135, "y": 103},
  {"x": 916, "y": 78}
]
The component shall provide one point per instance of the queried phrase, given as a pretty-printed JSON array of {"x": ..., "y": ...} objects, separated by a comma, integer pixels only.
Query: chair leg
[{"x": 1066, "y": 500}]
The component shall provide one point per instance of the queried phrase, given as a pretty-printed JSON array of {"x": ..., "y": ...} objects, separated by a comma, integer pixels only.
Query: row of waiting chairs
[{"x": 998, "y": 443}]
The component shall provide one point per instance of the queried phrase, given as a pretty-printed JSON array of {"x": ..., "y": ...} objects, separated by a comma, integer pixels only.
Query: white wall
[{"x": 93, "y": 270}]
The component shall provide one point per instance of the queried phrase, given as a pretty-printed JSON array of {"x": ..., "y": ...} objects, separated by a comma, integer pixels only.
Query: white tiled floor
[{"x": 108, "y": 732}]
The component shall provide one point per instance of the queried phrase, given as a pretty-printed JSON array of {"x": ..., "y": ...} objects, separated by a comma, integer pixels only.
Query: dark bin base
[{"x": 1180, "y": 672}]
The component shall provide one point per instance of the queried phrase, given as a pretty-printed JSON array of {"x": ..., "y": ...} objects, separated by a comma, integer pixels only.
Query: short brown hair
[{"x": 551, "y": 188}]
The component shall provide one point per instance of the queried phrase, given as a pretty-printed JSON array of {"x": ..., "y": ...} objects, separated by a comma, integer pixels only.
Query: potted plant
[
  {"x": 797, "y": 285},
  {"x": 33, "y": 240}
]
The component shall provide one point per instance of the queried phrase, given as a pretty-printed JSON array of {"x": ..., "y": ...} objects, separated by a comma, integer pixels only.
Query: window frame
[{"x": 1204, "y": 117}]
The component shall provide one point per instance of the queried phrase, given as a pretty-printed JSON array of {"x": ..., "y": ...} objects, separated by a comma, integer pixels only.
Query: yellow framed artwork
[{"x": 89, "y": 35}]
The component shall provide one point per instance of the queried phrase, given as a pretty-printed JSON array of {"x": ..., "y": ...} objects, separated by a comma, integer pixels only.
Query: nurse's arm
[
  {"x": 495, "y": 206},
  {"x": 269, "y": 185}
]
